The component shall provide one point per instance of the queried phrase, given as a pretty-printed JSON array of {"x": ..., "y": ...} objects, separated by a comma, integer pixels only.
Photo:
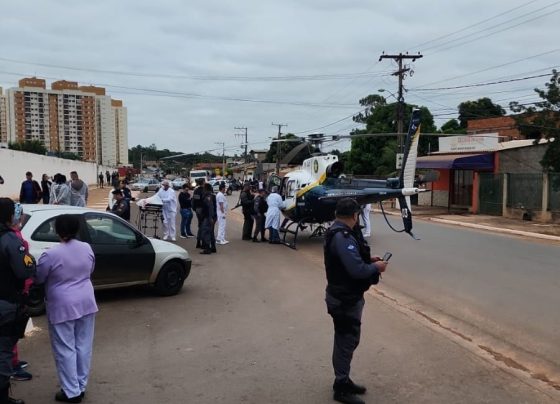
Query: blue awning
[{"x": 478, "y": 162}]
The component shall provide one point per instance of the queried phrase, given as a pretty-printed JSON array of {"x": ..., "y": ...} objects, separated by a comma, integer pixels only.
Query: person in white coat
[
  {"x": 222, "y": 207},
  {"x": 169, "y": 210},
  {"x": 366, "y": 209},
  {"x": 272, "y": 223}
]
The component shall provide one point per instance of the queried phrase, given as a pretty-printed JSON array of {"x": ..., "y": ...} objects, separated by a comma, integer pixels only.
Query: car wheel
[
  {"x": 36, "y": 301},
  {"x": 229, "y": 191},
  {"x": 170, "y": 279}
]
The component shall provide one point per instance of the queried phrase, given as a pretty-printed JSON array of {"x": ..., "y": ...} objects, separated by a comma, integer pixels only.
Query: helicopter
[{"x": 311, "y": 192}]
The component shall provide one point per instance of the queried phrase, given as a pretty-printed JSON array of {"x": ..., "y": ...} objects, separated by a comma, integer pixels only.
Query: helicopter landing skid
[
  {"x": 319, "y": 231},
  {"x": 288, "y": 228}
]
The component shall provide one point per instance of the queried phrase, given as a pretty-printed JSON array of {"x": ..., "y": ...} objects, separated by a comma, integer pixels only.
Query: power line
[
  {"x": 339, "y": 76},
  {"x": 489, "y": 68},
  {"x": 177, "y": 94},
  {"x": 480, "y": 84},
  {"x": 486, "y": 35},
  {"x": 475, "y": 24}
]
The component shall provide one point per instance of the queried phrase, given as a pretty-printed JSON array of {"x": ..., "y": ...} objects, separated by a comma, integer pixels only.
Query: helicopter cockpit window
[{"x": 291, "y": 189}]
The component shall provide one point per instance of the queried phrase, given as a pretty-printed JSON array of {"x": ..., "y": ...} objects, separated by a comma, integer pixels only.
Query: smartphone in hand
[{"x": 387, "y": 256}]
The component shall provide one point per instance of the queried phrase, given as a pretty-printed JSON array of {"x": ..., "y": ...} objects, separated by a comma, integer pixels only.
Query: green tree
[
  {"x": 542, "y": 120},
  {"x": 286, "y": 147},
  {"x": 481, "y": 108},
  {"x": 30, "y": 146},
  {"x": 377, "y": 155},
  {"x": 452, "y": 126}
]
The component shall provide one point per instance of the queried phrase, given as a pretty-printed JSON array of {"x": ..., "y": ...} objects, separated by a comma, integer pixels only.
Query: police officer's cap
[
  {"x": 117, "y": 192},
  {"x": 346, "y": 207}
]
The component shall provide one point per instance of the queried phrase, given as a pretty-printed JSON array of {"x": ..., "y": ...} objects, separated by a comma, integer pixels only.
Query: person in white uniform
[
  {"x": 222, "y": 207},
  {"x": 272, "y": 223},
  {"x": 366, "y": 209},
  {"x": 169, "y": 210}
]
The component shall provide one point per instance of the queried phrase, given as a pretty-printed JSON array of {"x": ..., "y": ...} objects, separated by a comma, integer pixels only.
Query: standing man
[
  {"x": 351, "y": 270},
  {"x": 246, "y": 200},
  {"x": 167, "y": 196},
  {"x": 260, "y": 207},
  {"x": 78, "y": 190},
  {"x": 46, "y": 189},
  {"x": 197, "y": 206},
  {"x": 120, "y": 208},
  {"x": 272, "y": 221},
  {"x": 208, "y": 213},
  {"x": 366, "y": 219},
  {"x": 30, "y": 191},
  {"x": 100, "y": 179},
  {"x": 16, "y": 265},
  {"x": 222, "y": 207},
  {"x": 108, "y": 177}
]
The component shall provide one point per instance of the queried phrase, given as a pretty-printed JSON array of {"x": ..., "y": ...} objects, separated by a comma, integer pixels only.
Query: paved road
[
  {"x": 504, "y": 287},
  {"x": 250, "y": 326}
]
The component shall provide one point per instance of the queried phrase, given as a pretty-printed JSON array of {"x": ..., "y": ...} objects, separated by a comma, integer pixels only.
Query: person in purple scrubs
[{"x": 66, "y": 272}]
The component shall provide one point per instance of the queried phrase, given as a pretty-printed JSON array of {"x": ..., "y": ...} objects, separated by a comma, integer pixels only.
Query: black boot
[
  {"x": 346, "y": 392},
  {"x": 255, "y": 240},
  {"x": 61, "y": 396},
  {"x": 5, "y": 397}
]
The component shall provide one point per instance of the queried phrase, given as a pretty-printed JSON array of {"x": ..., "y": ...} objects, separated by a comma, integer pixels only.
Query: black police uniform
[
  {"x": 207, "y": 214},
  {"x": 197, "y": 206},
  {"x": 350, "y": 273},
  {"x": 247, "y": 206},
  {"x": 16, "y": 265}
]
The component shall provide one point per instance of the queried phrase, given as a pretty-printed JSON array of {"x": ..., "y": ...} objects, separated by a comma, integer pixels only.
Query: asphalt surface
[{"x": 250, "y": 326}]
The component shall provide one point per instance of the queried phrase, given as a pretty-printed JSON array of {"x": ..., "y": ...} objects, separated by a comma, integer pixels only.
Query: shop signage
[{"x": 474, "y": 143}]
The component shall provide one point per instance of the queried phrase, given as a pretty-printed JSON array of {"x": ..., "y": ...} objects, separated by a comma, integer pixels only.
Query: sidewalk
[{"x": 546, "y": 231}]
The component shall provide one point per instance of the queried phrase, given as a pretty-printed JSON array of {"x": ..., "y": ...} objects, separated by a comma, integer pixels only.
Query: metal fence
[
  {"x": 491, "y": 201},
  {"x": 554, "y": 192},
  {"x": 524, "y": 191}
]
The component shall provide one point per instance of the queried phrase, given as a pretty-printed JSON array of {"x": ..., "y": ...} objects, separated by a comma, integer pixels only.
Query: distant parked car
[
  {"x": 145, "y": 185},
  {"x": 123, "y": 255},
  {"x": 178, "y": 183}
]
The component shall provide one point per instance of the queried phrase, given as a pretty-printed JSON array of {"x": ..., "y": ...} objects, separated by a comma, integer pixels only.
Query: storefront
[{"x": 459, "y": 161}]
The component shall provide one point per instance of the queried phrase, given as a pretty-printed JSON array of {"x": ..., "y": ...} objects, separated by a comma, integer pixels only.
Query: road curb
[{"x": 496, "y": 229}]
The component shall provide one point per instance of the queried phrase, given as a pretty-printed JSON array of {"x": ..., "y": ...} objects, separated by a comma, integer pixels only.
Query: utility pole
[
  {"x": 246, "y": 142},
  {"x": 278, "y": 145},
  {"x": 401, "y": 73},
  {"x": 223, "y": 158}
]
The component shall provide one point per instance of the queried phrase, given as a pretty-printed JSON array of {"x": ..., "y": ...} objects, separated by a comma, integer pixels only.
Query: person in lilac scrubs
[{"x": 66, "y": 272}]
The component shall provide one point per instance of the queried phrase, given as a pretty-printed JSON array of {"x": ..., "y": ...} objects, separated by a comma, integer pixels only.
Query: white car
[
  {"x": 145, "y": 185},
  {"x": 178, "y": 183},
  {"x": 123, "y": 255}
]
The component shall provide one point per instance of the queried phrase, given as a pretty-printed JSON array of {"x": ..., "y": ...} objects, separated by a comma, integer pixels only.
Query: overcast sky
[{"x": 190, "y": 71}]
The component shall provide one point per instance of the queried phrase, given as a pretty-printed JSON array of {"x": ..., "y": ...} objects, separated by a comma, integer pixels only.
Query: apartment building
[
  {"x": 67, "y": 118},
  {"x": 121, "y": 131},
  {"x": 3, "y": 119}
]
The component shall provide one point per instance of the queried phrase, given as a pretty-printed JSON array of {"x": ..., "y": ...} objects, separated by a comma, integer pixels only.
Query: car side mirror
[{"x": 140, "y": 239}]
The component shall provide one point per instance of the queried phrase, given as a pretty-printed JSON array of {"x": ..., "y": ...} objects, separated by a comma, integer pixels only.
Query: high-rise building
[
  {"x": 121, "y": 130},
  {"x": 66, "y": 118},
  {"x": 3, "y": 119}
]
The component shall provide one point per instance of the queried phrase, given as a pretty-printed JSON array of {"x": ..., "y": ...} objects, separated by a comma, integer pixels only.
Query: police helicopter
[{"x": 311, "y": 192}]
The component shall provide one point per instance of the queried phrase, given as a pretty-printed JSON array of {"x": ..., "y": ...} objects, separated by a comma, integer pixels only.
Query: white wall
[{"x": 14, "y": 164}]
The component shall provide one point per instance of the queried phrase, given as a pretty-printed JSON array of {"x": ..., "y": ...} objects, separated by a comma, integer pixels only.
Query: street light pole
[{"x": 223, "y": 158}]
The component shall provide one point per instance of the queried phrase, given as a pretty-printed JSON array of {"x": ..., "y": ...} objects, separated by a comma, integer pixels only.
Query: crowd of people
[
  {"x": 65, "y": 270},
  {"x": 59, "y": 191}
]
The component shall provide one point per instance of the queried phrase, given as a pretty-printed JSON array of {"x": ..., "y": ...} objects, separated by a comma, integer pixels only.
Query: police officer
[
  {"x": 208, "y": 215},
  {"x": 16, "y": 265},
  {"x": 120, "y": 208},
  {"x": 197, "y": 206},
  {"x": 350, "y": 272}
]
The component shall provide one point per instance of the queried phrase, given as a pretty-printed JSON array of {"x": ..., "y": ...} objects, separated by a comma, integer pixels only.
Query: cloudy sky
[{"x": 190, "y": 71}]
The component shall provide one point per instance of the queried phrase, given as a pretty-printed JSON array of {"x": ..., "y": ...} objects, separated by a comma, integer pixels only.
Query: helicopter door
[{"x": 274, "y": 181}]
